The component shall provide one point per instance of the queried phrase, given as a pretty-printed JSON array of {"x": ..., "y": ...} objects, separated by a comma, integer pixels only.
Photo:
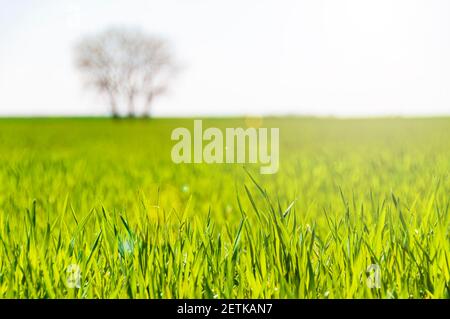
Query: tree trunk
[
  {"x": 112, "y": 103},
  {"x": 131, "y": 111},
  {"x": 147, "y": 106}
]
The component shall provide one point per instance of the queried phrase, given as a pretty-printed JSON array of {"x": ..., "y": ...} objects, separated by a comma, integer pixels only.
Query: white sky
[{"x": 323, "y": 57}]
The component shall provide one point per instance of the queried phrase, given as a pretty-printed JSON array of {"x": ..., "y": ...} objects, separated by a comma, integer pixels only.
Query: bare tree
[
  {"x": 157, "y": 71},
  {"x": 127, "y": 66}
]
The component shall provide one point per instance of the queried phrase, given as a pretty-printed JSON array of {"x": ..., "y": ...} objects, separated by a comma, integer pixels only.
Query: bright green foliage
[{"x": 105, "y": 195}]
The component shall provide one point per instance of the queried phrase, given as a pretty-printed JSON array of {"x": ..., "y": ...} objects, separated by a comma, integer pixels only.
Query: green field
[{"x": 104, "y": 195}]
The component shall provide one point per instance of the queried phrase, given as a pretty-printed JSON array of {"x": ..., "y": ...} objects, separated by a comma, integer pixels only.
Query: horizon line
[{"x": 232, "y": 116}]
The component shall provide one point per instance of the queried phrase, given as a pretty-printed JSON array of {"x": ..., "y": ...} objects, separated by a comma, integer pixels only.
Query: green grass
[{"x": 105, "y": 195}]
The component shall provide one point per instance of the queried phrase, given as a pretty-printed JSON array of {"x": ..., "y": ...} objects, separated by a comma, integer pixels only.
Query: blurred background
[{"x": 341, "y": 58}]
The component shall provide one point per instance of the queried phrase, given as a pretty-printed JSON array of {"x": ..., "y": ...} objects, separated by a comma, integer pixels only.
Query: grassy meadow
[{"x": 105, "y": 196}]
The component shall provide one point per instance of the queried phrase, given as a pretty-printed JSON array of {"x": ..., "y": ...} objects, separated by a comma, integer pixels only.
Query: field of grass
[{"x": 103, "y": 197}]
